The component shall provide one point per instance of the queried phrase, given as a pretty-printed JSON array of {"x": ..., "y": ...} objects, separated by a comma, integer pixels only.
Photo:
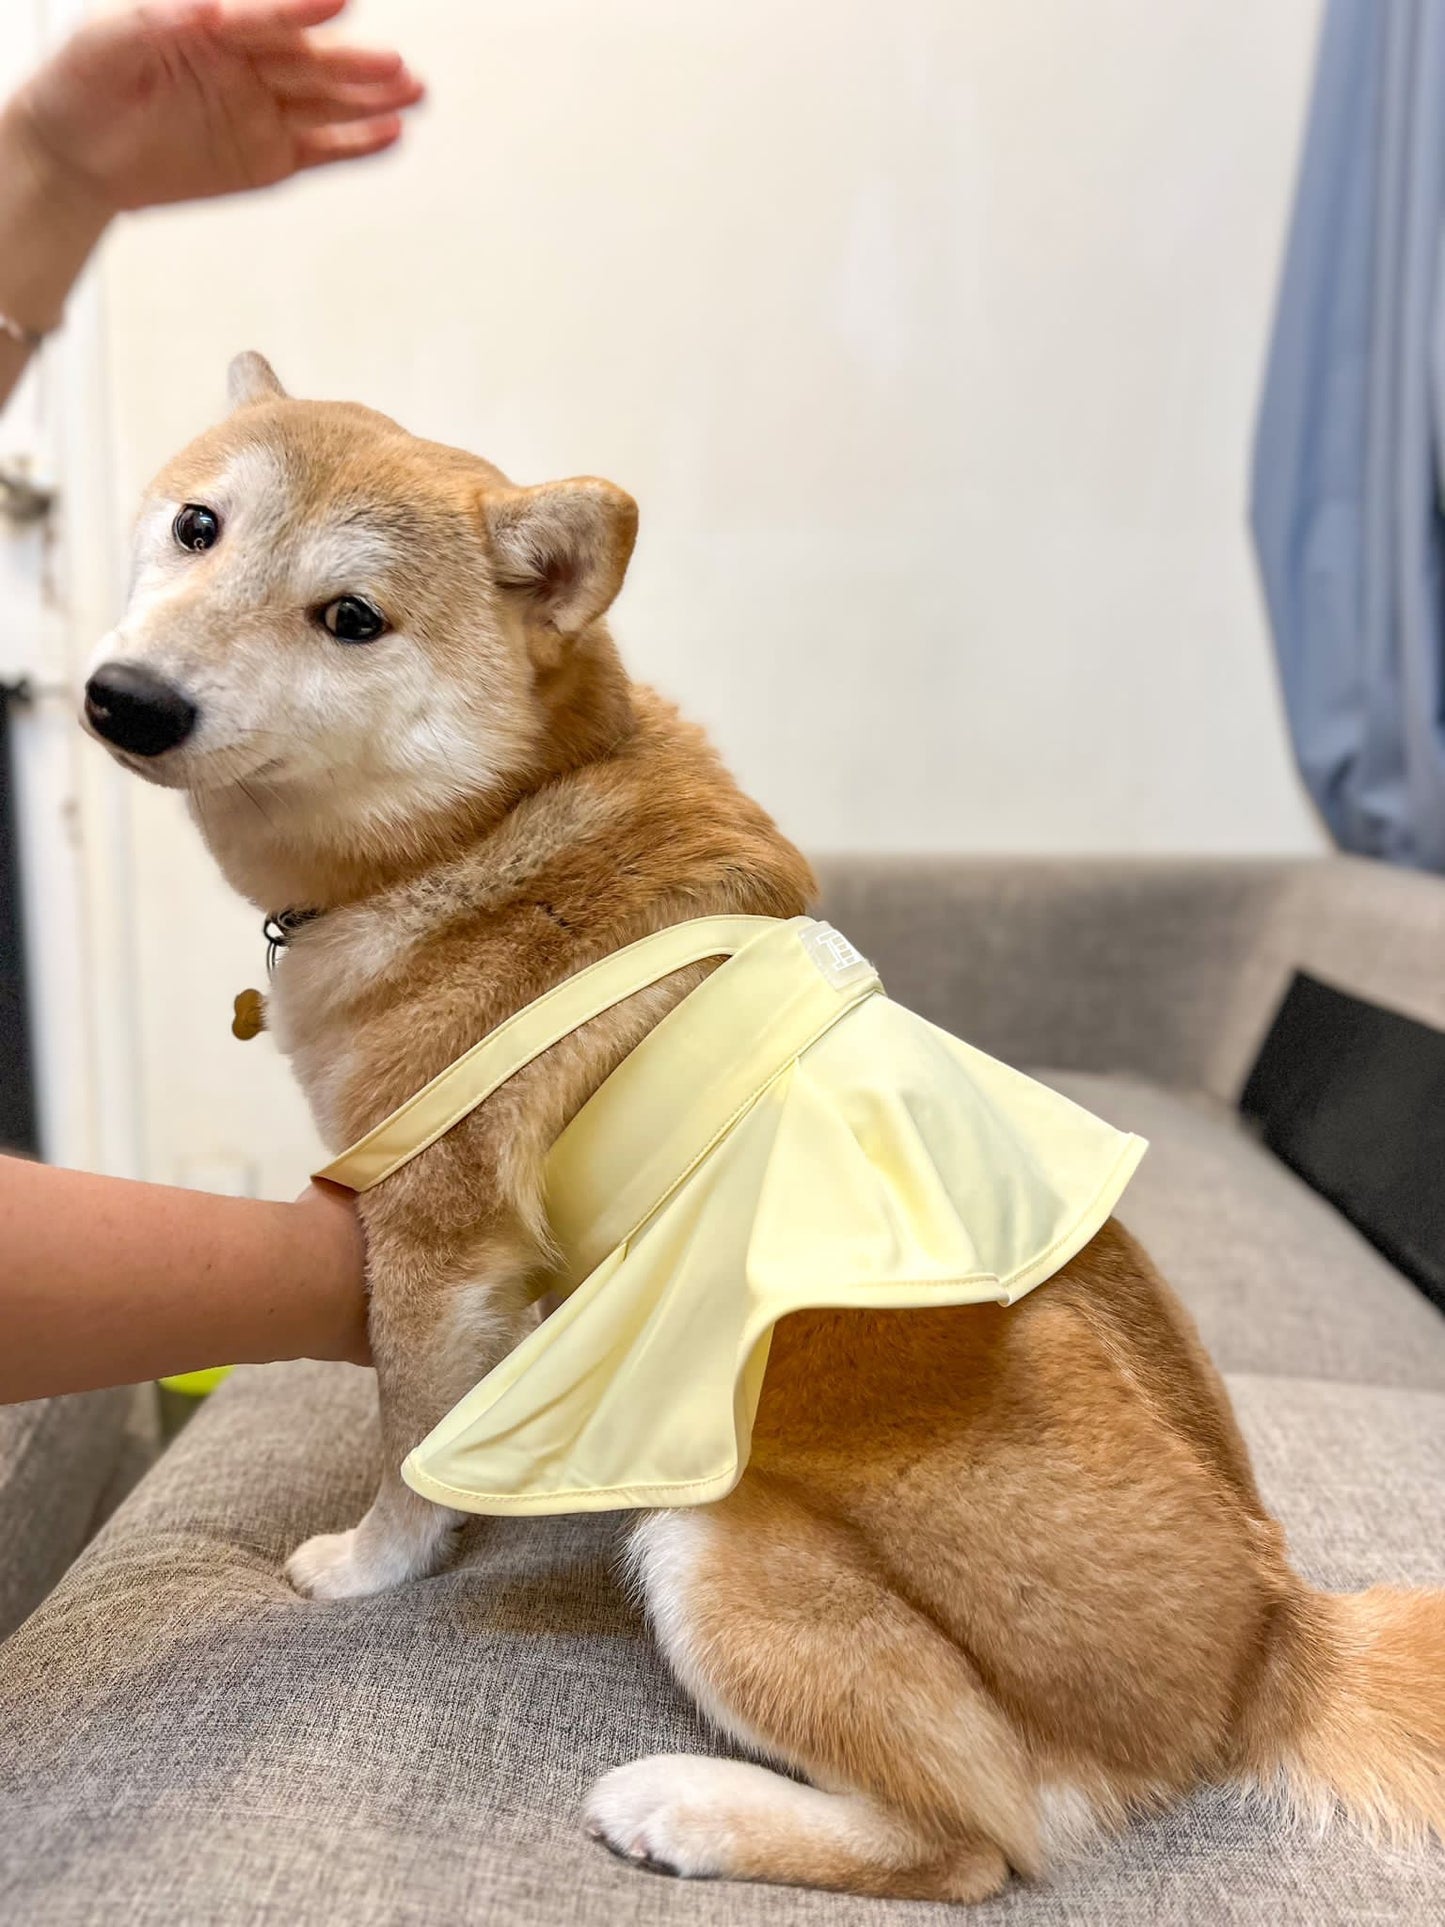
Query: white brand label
[{"x": 839, "y": 961}]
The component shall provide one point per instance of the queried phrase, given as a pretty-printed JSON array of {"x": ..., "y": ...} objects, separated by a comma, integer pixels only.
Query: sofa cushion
[
  {"x": 182, "y": 1738},
  {"x": 1277, "y": 1280},
  {"x": 64, "y": 1465}
]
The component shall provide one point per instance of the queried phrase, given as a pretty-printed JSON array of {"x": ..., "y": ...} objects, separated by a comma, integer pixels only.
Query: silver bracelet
[{"x": 30, "y": 338}]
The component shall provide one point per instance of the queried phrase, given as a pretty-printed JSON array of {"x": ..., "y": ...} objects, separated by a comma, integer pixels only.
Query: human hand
[
  {"x": 329, "y": 1242},
  {"x": 193, "y": 98}
]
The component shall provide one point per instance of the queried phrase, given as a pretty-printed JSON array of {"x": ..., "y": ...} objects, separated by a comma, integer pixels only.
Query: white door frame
[{"x": 74, "y": 813}]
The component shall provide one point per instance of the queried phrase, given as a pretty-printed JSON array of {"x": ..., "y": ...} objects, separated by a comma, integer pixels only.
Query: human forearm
[
  {"x": 107, "y": 1282},
  {"x": 49, "y": 223}
]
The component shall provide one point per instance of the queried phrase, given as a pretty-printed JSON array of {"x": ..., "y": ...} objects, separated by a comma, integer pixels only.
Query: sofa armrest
[{"x": 1169, "y": 969}]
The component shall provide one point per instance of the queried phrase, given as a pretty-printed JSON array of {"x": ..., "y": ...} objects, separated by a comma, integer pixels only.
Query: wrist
[
  {"x": 50, "y": 220},
  {"x": 328, "y": 1230},
  {"x": 65, "y": 189}
]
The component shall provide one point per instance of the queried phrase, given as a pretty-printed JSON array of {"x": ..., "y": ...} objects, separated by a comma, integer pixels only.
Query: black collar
[{"x": 281, "y": 926}]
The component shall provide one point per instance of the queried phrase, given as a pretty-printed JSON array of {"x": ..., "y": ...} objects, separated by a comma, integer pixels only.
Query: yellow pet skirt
[{"x": 787, "y": 1137}]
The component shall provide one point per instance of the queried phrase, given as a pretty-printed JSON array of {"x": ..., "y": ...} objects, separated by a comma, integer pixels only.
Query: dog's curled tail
[{"x": 1352, "y": 1712}]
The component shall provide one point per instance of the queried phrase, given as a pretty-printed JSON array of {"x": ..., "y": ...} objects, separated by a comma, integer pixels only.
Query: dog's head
[{"x": 352, "y": 627}]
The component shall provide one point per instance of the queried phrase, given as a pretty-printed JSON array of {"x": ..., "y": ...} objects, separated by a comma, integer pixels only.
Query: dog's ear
[
  {"x": 249, "y": 378},
  {"x": 563, "y": 546}
]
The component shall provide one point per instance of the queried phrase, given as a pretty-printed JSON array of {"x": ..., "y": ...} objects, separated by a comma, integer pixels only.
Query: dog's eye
[
  {"x": 196, "y": 528},
  {"x": 351, "y": 618}
]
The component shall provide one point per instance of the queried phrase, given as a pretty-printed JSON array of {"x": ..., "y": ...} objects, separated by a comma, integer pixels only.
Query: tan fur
[{"x": 994, "y": 1577}]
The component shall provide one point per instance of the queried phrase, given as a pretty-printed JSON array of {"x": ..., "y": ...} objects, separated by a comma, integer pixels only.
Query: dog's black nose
[{"x": 137, "y": 710}]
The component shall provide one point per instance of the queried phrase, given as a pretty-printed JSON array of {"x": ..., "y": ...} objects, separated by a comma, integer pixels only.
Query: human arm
[
  {"x": 175, "y": 102},
  {"x": 108, "y": 1282}
]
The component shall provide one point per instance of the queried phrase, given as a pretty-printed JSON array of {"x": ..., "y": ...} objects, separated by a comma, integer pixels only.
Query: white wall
[{"x": 928, "y": 338}]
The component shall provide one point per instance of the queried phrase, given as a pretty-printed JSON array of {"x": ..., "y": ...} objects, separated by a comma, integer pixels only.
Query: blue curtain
[{"x": 1348, "y": 455}]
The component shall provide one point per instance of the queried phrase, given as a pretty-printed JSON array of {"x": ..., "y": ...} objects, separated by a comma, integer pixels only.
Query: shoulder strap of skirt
[{"x": 468, "y": 1082}]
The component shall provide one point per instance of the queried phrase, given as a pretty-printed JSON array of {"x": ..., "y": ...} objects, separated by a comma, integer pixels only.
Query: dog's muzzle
[{"x": 137, "y": 710}]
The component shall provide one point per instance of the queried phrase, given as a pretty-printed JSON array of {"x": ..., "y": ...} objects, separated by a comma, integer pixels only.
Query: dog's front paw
[
  {"x": 327, "y": 1567},
  {"x": 662, "y": 1813}
]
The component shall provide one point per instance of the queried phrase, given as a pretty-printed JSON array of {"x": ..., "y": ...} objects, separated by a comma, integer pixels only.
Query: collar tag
[{"x": 250, "y": 1018}]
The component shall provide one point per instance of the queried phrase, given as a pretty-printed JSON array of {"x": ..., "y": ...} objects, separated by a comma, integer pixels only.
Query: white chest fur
[{"x": 326, "y": 966}]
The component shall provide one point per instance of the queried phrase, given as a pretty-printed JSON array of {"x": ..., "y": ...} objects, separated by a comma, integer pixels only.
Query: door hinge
[{"x": 23, "y": 500}]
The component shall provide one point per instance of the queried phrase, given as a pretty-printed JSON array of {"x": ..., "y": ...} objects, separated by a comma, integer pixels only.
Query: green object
[{"x": 197, "y": 1384}]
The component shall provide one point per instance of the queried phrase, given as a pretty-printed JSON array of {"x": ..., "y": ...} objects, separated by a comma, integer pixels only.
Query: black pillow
[{"x": 1352, "y": 1097}]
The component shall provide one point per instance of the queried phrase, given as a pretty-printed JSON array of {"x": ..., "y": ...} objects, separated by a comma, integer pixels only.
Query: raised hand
[{"x": 194, "y": 98}]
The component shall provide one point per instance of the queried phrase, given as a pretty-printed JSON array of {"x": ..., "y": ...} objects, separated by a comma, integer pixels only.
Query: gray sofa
[
  {"x": 65, "y": 1465},
  {"x": 183, "y": 1740}
]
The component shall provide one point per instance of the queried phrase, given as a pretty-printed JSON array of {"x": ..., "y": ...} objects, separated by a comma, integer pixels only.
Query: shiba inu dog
[{"x": 994, "y": 1578}]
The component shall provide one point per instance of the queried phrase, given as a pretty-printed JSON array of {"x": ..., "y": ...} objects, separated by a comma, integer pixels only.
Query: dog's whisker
[{"x": 255, "y": 801}]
